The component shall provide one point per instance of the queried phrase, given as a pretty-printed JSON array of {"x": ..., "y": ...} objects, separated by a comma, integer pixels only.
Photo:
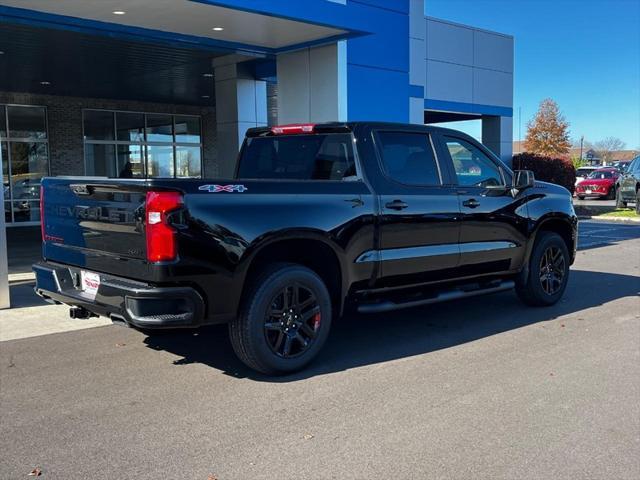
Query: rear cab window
[
  {"x": 298, "y": 157},
  {"x": 408, "y": 158}
]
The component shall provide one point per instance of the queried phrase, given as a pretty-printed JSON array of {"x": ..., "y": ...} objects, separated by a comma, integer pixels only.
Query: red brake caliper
[{"x": 316, "y": 321}]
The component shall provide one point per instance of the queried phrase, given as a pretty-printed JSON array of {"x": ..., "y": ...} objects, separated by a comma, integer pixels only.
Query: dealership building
[{"x": 168, "y": 87}]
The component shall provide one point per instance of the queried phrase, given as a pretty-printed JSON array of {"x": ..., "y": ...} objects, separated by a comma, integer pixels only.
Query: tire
[
  {"x": 638, "y": 202},
  {"x": 619, "y": 202},
  {"x": 533, "y": 290},
  {"x": 611, "y": 194},
  {"x": 260, "y": 340}
]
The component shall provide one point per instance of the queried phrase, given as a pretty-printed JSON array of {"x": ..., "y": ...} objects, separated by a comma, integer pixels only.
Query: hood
[
  {"x": 597, "y": 181},
  {"x": 552, "y": 188}
]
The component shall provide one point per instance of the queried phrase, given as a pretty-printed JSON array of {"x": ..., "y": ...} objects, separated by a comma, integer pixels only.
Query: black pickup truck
[{"x": 318, "y": 220}]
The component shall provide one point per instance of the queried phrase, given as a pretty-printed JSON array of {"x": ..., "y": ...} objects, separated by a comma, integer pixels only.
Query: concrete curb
[
  {"x": 21, "y": 277},
  {"x": 608, "y": 219}
]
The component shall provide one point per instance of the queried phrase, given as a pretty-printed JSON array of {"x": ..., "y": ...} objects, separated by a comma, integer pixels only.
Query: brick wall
[{"x": 64, "y": 115}]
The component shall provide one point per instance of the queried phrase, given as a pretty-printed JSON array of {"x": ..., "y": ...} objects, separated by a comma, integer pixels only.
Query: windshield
[
  {"x": 601, "y": 174},
  {"x": 583, "y": 172},
  {"x": 298, "y": 157}
]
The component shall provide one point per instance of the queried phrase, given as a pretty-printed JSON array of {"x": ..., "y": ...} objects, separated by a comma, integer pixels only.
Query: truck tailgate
[{"x": 91, "y": 222}]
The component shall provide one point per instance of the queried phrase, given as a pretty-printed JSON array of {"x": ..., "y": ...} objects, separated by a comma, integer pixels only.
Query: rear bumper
[{"x": 135, "y": 303}]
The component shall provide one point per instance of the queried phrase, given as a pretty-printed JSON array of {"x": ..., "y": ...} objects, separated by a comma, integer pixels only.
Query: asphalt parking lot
[{"x": 481, "y": 388}]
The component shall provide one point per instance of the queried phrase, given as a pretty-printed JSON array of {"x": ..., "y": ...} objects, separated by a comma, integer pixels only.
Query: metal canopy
[{"x": 61, "y": 62}]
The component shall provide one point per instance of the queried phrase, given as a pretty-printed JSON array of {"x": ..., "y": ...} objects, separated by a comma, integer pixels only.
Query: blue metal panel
[
  {"x": 377, "y": 94},
  {"x": 416, "y": 91},
  {"x": 468, "y": 108},
  {"x": 388, "y": 47},
  {"x": 378, "y": 64},
  {"x": 401, "y": 6}
]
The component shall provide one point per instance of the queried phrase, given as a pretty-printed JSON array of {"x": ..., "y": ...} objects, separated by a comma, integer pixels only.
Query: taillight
[
  {"x": 161, "y": 236},
  {"x": 42, "y": 212},
  {"x": 293, "y": 129}
]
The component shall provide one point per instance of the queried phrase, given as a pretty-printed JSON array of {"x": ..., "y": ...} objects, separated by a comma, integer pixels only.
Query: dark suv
[{"x": 629, "y": 186}]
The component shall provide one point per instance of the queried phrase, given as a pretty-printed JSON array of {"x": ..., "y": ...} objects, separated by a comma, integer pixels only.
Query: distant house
[{"x": 589, "y": 154}]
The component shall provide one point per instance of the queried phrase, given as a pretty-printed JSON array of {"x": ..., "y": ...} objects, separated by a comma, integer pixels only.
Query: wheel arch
[
  {"x": 305, "y": 247},
  {"x": 563, "y": 225}
]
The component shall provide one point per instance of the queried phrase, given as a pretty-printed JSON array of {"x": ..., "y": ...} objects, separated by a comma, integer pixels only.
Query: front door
[
  {"x": 418, "y": 207},
  {"x": 492, "y": 220}
]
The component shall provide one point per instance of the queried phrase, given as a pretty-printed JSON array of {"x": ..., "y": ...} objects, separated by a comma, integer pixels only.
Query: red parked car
[{"x": 600, "y": 183}]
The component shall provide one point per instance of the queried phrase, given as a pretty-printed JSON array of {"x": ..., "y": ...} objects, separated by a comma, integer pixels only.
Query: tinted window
[
  {"x": 299, "y": 157},
  {"x": 159, "y": 128},
  {"x": 27, "y": 122},
  {"x": 188, "y": 161},
  {"x": 99, "y": 160},
  {"x": 98, "y": 125},
  {"x": 3, "y": 122},
  {"x": 187, "y": 129},
  {"x": 130, "y": 126},
  {"x": 408, "y": 158},
  {"x": 130, "y": 161},
  {"x": 160, "y": 161},
  {"x": 583, "y": 172},
  {"x": 29, "y": 163},
  {"x": 473, "y": 167}
]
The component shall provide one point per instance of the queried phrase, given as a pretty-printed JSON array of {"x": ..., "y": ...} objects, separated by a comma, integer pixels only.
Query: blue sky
[{"x": 585, "y": 54}]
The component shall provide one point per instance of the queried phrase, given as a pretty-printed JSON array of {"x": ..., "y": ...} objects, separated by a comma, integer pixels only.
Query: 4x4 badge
[{"x": 223, "y": 188}]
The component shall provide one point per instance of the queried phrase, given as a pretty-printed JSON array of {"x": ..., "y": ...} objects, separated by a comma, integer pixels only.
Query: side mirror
[{"x": 523, "y": 179}]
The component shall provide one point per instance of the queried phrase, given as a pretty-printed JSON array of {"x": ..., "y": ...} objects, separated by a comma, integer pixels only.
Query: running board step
[{"x": 456, "y": 294}]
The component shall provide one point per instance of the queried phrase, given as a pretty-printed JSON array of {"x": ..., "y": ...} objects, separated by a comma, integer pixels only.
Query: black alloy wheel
[
  {"x": 292, "y": 321},
  {"x": 284, "y": 319},
  {"x": 543, "y": 283},
  {"x": 552, "y": 270}
]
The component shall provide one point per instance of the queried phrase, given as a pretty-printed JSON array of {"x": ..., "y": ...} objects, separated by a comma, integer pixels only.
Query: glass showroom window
[
  {"x": 141, "y": 145},
  {"x": 24, "y": 154}
]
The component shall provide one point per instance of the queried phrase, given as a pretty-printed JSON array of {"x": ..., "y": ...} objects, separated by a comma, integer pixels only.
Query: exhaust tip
[{"x": 80, "y": 313}]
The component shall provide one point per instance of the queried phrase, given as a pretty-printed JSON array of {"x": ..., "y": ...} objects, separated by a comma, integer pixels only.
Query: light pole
[{"x": 581, "y": 143}]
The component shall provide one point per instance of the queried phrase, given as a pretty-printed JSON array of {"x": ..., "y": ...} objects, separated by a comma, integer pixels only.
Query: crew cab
[{"x": 318, "y": 220}]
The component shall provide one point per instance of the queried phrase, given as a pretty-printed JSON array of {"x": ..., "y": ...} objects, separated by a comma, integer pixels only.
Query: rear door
[
  {"x": 492, "y": 220},
  {"x": 418, "y": 228}
]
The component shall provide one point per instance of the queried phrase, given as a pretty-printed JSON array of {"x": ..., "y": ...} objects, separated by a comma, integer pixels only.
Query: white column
[
  {"x": 312, "y": 84},
  {"x": 4, "y": 266},
  {"x": 497, "y": 135},
  {"x": 241, "y": 103}
]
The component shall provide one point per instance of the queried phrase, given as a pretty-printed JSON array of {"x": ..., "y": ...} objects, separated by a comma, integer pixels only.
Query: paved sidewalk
[{"x": 30, "y": 316}]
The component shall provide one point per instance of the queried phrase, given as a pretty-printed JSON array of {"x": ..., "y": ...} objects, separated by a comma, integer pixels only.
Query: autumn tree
[
  {"x": 606, "y": 147},
  {"x": 547, "y": 132}
]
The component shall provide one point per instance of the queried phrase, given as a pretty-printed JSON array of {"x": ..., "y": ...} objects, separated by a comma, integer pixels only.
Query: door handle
[
  {"x": 396, "y": 205},
  {"x": 471, "y": 203}
]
